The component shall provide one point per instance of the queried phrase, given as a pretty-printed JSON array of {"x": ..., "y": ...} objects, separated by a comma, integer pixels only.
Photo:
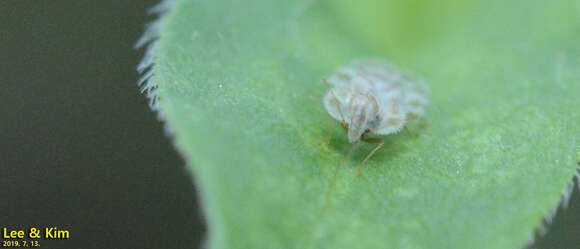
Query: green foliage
[{"x": 239, "y": 86}]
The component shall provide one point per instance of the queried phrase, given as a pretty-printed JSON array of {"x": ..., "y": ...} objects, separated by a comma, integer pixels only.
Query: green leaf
[{"x": 239, "y": 85}]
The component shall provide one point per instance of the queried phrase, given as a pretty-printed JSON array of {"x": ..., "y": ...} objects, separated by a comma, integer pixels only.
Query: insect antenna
[
  {"x": 335, "y": 99},
  {"x": 324, "y": 82},
  {"x": 375, "y": 102},
  {"x": 337, "y": 105}
]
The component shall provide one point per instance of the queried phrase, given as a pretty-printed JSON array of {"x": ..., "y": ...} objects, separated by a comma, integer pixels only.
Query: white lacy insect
[{"x": 372, "y": 96}]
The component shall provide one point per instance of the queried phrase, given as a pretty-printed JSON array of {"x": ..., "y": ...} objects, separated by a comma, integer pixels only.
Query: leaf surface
[{"x": 239, "y": 86}]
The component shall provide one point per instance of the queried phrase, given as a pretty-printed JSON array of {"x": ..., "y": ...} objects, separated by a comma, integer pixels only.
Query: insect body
[{"x": 371, "y": 96}]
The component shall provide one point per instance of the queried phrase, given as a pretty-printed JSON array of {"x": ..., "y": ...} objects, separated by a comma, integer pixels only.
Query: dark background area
[{"x": 79, "y": 147}]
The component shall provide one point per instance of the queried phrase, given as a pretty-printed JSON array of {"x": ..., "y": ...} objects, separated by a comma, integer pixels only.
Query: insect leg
[
  {"x": 334, "y": 101},
  {"x": 409, "y": 132},
  {"x": 342, "y": 123},
  {"x": 329, "y": 131},
  {"x": 370, "y": 140}
]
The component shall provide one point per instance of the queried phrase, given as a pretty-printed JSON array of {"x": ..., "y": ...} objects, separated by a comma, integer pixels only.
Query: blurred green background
[{"x": 81, "y": 150}]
